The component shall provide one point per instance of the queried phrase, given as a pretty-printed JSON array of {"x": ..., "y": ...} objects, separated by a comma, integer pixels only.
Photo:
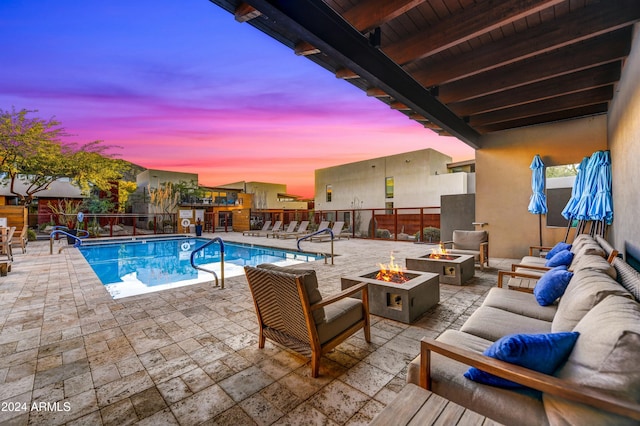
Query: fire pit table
[
  {"x": 404, "y": 302},
  {"x": 452, "y": 269}
]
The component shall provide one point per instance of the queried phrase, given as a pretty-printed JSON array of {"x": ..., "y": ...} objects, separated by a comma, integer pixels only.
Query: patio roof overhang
[{"x": 461, "y": 68}]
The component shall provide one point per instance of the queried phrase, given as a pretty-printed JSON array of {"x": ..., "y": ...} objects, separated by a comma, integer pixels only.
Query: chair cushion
[
  {"x": 563, "y": 257},
  {"x": 340, "y": 315},
  {"x": 605, "y": 357},
  {"x": 539, "y": 352},
  {"x": 310, "y": 282},
  {"x": 469, "y": 240},
  {"x": 552, "y": 285},
  {"x": 558, "y": 248},
  {"x": 586, "y": 289}
]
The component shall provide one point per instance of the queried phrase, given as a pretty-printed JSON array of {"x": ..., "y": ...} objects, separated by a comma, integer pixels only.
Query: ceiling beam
[
  {"x": 316, "y": 23},
  {"x": 566, "y": 114},
  {"x": 476, "y": 20},
  {"x": 245, "y": 12},
  {"x": 590, "y": 21},
  {"x": 573, "y": 100},
  {"x": 369, "y": 14},
  {"x": 596, "y": 51},
  {"x": 590, "y": 78}
]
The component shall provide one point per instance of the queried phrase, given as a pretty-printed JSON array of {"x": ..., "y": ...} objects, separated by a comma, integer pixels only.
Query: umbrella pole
[
  {"x": 540, "y": 228},
  {"x": 566, "y": 235}
]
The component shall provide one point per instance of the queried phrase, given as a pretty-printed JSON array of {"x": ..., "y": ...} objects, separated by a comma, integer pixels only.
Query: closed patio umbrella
[
  {"x": 569, "y": 212},
  {"x": 538, "y": 200},
  {"x": 601, "y": 208},
  {"x": 589, "y": 190}
]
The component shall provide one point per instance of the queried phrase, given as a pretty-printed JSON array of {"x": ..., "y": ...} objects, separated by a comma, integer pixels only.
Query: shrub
[
  {"x": 383, "y": 234},
  {"x": 429, "y": 234},
  {"x": 31, "y": 235}
]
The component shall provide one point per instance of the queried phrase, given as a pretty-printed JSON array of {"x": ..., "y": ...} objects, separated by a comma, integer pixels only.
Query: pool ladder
[
  {"x": 207, "y": 244},
  {"x": 78, "y": 238},
  {"x": 319, "y": 231}
]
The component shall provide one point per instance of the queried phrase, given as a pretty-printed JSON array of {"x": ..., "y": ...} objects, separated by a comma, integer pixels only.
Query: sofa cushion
[
  {"x": 520, "y": 303},
  {"x": 310, "y": 282},
  {"x": 552, "y": 285},
  {"x": 563, "y": 257},
  {"x": 539, "y": 352},
  {"x": 492, "y": 324},
  {"x": 586, "y": 289},
  {"x": 595, "y": 263},
  {"x": 605, "y": 357},
  {"x": 496, "y": 403},
  {"x": 558, "y": 248}
]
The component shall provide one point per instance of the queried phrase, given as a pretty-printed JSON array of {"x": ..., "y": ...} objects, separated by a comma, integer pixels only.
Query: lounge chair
[
  {"x": 337, "y": 233},
  {"x": 276, "y": 227},
  {"x": 6, "y": 255},
  {"x": 292, "y": 312},
  {"x": 302, "y": 230},
  {"x": 276, "y": 234},
  {"x": 265, "y": 228},
  {"x": 475, "y": 243},
  {"x": 24, "y": 238}
]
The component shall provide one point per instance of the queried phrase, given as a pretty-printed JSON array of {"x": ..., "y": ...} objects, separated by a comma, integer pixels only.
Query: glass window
[
  {"x": 329, "y": 193},
  {"x": 388, "y": 187}
]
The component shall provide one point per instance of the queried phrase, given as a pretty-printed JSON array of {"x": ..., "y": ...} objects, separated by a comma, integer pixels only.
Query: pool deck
[{"x": 70, "y": 354}]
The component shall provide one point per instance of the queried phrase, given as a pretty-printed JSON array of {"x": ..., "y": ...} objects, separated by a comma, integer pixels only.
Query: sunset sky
[{"x": 180, "y": 85}]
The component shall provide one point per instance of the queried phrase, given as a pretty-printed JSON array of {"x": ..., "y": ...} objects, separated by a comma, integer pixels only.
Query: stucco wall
[
  {"x": 503, "y": 178},
  {"x": 420, "y": 178},
  {"x": 624, "y": 143}
]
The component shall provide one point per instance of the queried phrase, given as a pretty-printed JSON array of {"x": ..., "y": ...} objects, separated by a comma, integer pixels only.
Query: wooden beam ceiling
[
  {"x": 462, "y": 67},
  {"x": 464, "y": 26},
  {"x": 582, "y": 24}
]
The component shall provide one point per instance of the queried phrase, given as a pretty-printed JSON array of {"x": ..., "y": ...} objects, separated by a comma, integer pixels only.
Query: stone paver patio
[{"x": 70, "y": 354}]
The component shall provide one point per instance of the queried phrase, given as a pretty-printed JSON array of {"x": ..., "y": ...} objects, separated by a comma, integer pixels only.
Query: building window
[
  {"x": 388, "y": 187},
  {"x": 329, "y": 192}
]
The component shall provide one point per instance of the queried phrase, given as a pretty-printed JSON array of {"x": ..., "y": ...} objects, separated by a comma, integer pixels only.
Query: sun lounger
[
  {"x": 265, "y": 228},
  {"x": 290, "y": 228},
  {"x": 276, "y": 227},
  {"x": 302, "y": 230},
  {"x": 336, "y": 230}
]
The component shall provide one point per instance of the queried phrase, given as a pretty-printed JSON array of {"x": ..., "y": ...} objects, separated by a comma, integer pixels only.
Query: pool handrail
[
  {"x": 78, "y": 238},
  {"x": 208, "y": 243},
  {"x": 319, "y": 231}
]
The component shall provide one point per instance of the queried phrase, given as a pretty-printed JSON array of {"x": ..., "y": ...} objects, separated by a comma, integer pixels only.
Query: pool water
[{"x": 128, "y": 268}]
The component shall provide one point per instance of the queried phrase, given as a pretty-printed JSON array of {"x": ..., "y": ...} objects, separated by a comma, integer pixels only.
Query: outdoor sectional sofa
[{"x": 601, "y": 374}]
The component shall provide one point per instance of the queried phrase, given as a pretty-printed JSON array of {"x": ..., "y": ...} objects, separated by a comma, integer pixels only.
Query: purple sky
[{"x": 180, "y": 85}]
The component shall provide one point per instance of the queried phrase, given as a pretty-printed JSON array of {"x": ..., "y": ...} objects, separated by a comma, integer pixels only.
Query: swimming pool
[{"x": 131, "y": 267}]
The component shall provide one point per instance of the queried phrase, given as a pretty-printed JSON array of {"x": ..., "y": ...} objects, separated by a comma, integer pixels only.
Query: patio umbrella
[
  {"x": 538, "y": 201},
  {"x": 569, "y": 211},
  {"x": 589, "y": 190},
  {"x": 601, "y": 208}
]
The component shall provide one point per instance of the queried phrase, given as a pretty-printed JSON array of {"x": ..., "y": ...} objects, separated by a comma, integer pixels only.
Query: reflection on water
[{"x": 137, "y": 267}]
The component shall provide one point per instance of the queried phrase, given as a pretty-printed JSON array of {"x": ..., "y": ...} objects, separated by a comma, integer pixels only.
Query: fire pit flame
[
  {"x": 441, "y": 253},
  {"x": 391, "y": 273}
]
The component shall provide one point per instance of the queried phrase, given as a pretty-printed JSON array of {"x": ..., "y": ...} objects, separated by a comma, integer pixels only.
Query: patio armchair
[
  {"x": 475, "y": 243},
  {"x": 292, "y": 312}
]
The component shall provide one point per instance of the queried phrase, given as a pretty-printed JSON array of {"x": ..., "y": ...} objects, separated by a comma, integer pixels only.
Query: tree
[{"x": 33, "y": 150}]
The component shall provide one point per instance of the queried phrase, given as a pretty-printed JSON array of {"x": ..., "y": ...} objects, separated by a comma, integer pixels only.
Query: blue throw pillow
[
  {"x": 539, "y": 352},
  {"x": 558, "y": 248},
  {"x": 563, "y": 257},
  {"x": 552, "y": 285}
]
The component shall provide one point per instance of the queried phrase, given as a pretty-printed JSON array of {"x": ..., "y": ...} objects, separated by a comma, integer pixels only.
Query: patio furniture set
[{"x": 589, "y": 339}]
